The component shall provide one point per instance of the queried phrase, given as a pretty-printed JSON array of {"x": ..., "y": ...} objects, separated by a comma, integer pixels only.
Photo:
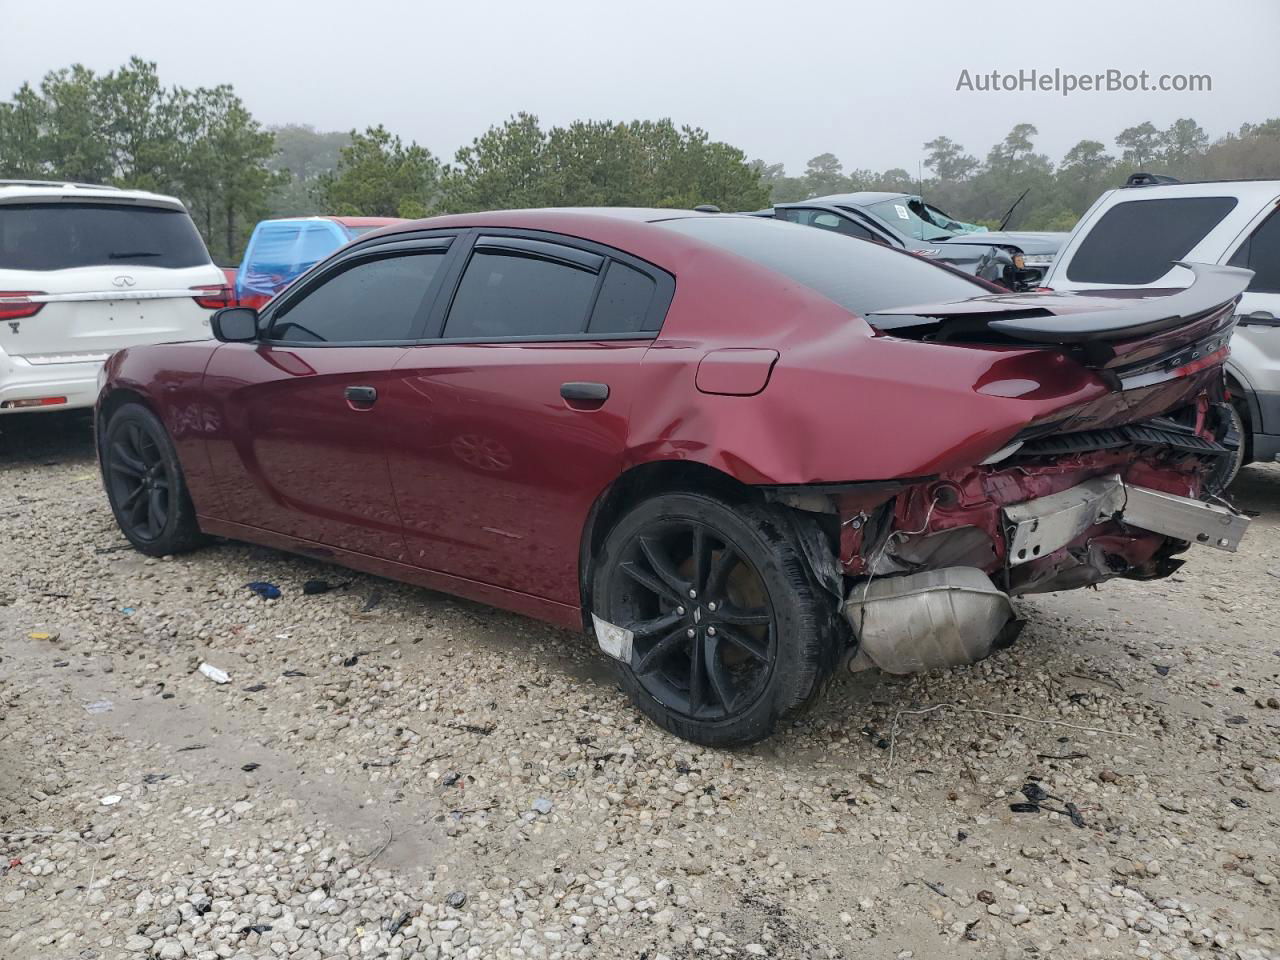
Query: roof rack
[
  {"x": 56, "y": 183},
  {"x": 1149, "y": 180}
]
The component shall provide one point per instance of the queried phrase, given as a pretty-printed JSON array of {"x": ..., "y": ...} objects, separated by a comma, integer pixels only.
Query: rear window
[
  {"x": 861, "y": 277},
  {"x": 58, "y": 236},
  {"x": 1137, "y": 241}
]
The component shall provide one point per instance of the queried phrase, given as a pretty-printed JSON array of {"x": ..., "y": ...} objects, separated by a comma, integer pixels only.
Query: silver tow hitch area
[{"x": 1041, "y": 526}]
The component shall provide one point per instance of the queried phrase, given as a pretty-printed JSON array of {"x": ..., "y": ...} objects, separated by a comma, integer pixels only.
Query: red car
[{"x": 719, "y": 442}]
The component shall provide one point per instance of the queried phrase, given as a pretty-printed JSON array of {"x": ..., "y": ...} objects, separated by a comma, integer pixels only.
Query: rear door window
[
  {"x": 368, "y": 301},
  {"x": 1261, "y": 254},
  {"x": 60, "y": 236},
  {"x": 508, "y": 293},
  {"x": 1136, "y": 242}
]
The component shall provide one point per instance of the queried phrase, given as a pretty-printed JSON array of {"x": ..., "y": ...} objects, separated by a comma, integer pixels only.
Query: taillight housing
[
  {"x": 17, "y": 304},
  {"x": 214, "y": 296}
]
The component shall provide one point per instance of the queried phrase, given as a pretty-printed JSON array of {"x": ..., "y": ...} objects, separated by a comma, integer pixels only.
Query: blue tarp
[{"x": 281, "y": 250}]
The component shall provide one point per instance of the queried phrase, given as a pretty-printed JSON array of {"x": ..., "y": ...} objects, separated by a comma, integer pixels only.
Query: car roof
[
  {"x": 553, "y": 218},
  {"x": 12, "y": 191},
  {"x": 367, "y": 221},
  {"x": 1261, "y": 190},
  {"x": 861, "y": 198},
  {"x": 344, "y": 221}
]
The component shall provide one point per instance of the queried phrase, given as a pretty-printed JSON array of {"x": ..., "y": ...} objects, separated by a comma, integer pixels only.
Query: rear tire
[
  {"x": 731, "y": 634},
  {"x": 145, "y": 484}
]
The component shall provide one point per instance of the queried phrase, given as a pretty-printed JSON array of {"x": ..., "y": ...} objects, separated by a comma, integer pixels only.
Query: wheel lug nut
[
  {"x": 711, "y": 605},
  {"x": 711, "y": 631},
  {"x": 690, "y": 632},
  {"x": 680, "y": 611},
  {"x": 693, "y": 594}
]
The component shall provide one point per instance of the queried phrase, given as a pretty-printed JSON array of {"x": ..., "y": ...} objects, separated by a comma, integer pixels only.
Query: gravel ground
[{"x": 394, "y": 773}]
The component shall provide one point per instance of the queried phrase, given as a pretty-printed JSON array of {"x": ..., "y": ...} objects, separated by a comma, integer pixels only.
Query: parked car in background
[
  {"x": 1017, "y": 261},
  {"x": 84, "y": 271},
  {"x": 281, "y": 250},
  {"x": 1130, "y": 239},
  {"x": 720, "y": 441}
]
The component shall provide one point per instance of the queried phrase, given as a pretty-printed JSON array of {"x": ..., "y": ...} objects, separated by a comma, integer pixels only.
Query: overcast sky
[{"x": 784, "y": 81}]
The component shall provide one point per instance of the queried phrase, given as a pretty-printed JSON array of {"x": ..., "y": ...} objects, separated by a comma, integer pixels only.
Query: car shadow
[
  {"x": 1257, "y": 490},
  {"x": 45, "y": 439}
]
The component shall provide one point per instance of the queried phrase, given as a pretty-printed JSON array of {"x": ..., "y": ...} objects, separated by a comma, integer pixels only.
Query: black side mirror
[{"x": 235, "y": 324}]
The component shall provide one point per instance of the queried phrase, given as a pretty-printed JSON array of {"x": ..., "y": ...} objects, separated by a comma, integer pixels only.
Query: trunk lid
[
  {"x": 1144, "y": 337},
  {"x": 87, "y": 313},
  {"x": 87, "y": 271}
]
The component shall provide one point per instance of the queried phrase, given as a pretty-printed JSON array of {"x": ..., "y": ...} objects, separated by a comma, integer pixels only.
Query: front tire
[
  {"x": 145, "y": 485},
  {"x": 731, "y": 634}
]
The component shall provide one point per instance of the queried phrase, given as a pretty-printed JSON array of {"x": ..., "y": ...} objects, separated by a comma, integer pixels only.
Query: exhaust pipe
[{"x": 922, "y": 621}]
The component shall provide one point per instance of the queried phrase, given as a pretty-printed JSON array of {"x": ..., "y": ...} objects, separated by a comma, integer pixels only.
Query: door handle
[
  {"x": 361, "y": 398},
  {"x": 1259, "y": 318},
  {"x": 582, "y": 394}
]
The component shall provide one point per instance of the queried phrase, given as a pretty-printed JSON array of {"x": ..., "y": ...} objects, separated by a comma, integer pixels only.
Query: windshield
[
  {"x": 59, "y": 236},
  {"x": 862, "y": 277},
  {"x": 915, "y": 218}
]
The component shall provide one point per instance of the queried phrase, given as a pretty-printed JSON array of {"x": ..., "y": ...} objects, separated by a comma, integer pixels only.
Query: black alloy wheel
[
  {"x": 704, "y": 629},
  {"x": 140, "y": 482},
  {"x": 144, "y": 483},
  {"x": 728, "y": 631}
]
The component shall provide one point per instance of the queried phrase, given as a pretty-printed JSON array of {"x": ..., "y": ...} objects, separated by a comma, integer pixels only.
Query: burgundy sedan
[{"x": 722, "y": 444}]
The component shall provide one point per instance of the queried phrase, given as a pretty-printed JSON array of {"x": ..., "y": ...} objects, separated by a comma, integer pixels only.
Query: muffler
[{"x": 936, "y": 618}]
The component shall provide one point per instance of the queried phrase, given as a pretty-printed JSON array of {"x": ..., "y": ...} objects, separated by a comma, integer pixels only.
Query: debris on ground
[
  {"x": 216, "y": 674},
  {"x": 264, "y": 589}
]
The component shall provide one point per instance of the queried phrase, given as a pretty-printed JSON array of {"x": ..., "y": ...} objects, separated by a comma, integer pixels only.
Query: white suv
[
  {"x": 84, "y": 271},
  {"x": 1129, "y": 239}
]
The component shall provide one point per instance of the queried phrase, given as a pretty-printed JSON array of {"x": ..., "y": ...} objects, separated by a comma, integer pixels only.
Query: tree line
[
  {"x": 126, "y": 128},
  {"x": 983, "y": 190}
]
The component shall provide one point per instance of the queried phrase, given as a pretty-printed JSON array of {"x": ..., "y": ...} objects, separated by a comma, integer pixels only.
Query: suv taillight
[
  {"x": 16, "y": 304},
  {"x": 214, "y": 296}
]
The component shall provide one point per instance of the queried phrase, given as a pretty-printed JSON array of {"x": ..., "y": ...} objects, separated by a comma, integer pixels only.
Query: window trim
[
  {"x": 573, "y": 248},
  {"x": 346, "y": 258}
]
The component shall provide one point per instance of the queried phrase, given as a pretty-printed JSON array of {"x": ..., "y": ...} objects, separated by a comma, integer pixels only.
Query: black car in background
[{"x": 1014, "y": 260}]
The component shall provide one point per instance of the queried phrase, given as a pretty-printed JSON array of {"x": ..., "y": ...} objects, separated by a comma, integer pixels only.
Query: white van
[
  {"x": 86, "y": 270},
  {"x": 1129, "y": 239}
]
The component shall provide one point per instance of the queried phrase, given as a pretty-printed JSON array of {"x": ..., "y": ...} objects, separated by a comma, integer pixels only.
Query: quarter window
[
  {"x": 369, "y": 301},
  {"x": 1261, "y": 254},
  {"x": 1137, "y": 241},
  {"x": 506, "y": 294},
  {"x": 623, "y": 304}
]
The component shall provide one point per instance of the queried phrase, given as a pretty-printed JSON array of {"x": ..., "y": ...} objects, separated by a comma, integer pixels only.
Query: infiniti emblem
[{"x": 123, "y": 281}]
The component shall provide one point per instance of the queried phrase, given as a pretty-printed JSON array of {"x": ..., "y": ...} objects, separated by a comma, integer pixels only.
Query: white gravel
[{"x": 437, "y": 779}]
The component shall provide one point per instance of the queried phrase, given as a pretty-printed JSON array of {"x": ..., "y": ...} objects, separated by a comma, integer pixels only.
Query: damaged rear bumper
[
  {"x": 1042, "y": 526},
  {"x": 955, "y": 615}
]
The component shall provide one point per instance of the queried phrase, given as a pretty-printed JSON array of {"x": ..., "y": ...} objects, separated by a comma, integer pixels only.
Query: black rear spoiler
[
  {"x": 1032, "y": 320},
  {"x": 1213, "y": 288}
]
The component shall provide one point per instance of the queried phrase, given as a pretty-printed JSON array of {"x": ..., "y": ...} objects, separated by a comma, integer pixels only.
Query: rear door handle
[
  {"x": 584, "y": 393},
  {"x": 361, "y": 398}
]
